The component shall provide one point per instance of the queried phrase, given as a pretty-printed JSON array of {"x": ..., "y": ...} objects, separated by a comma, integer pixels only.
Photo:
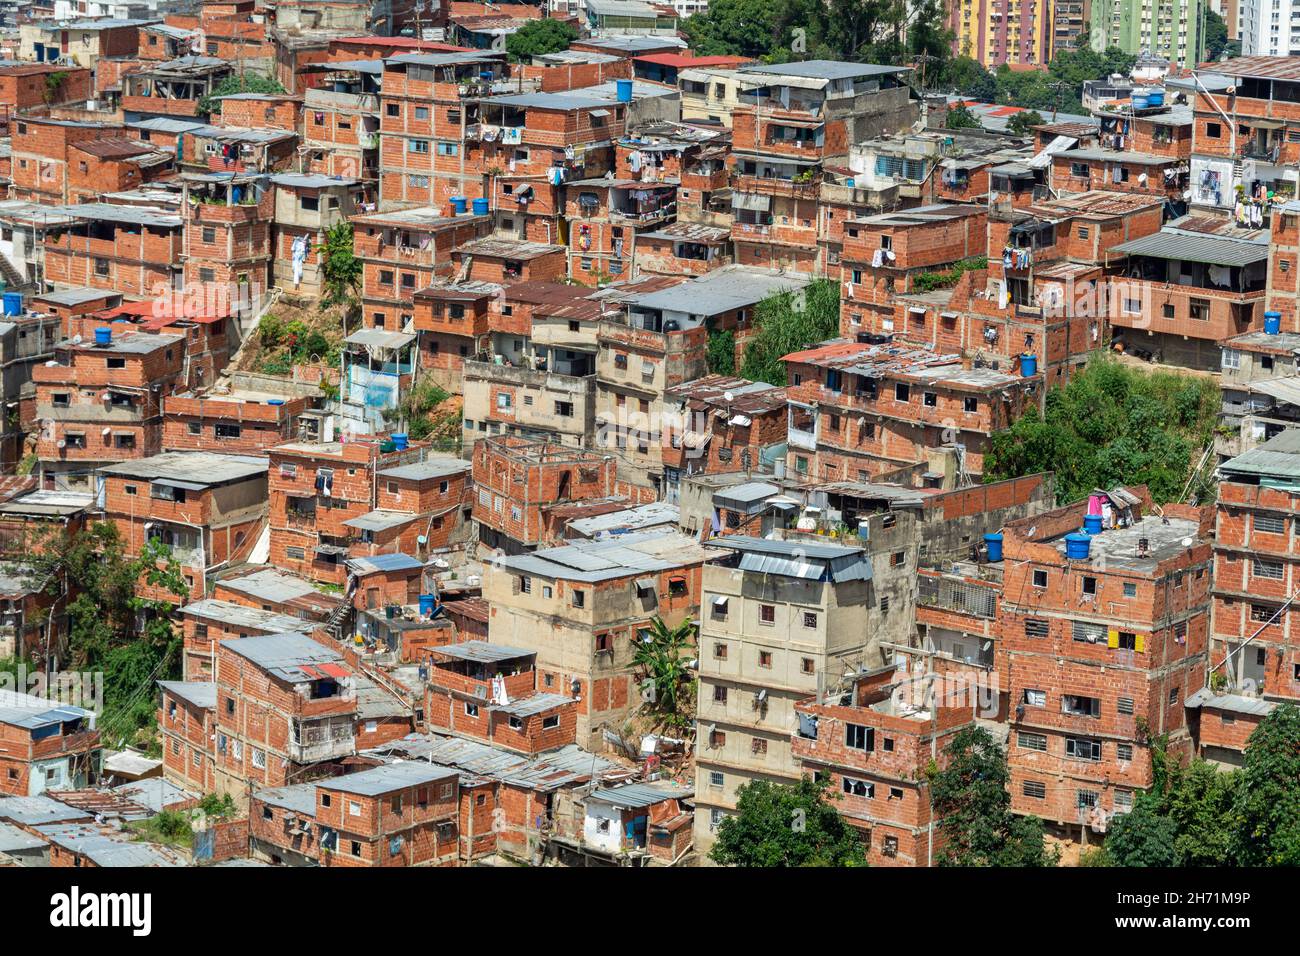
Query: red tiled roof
[{"x": 684, "y": 61}]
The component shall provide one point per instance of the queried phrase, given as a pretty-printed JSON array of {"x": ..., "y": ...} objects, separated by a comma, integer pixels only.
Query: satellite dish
[{"x": 728, "y": 397}]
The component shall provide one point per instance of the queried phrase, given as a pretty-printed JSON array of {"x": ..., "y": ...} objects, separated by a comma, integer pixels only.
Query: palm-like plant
[{"x": 659, "y": 654}]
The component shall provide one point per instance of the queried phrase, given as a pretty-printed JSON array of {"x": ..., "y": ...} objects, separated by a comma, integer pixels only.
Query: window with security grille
[
  {"x": 1035, "y": 628},
  {"x": 1033, "y": 741},
  {"x": 1270, "y": 524},
  {"x": 1267, "y": 569},
  {"x": 1081, "y": 748},
  {"x": 1034, "y": 789},
  {"x": 1088, "y": 632}
]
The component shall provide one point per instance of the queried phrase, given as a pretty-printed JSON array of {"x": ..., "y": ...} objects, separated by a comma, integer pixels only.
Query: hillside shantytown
[{"x": 575, "y": 434}]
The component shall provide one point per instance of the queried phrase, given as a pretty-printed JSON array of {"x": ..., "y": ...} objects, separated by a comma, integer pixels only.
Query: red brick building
[
  {"x": 208, "y": 508},
  {"x": 876, "y": 750},
  {"x": 489, "y": 692},
  {"x": 286, "y": 708},
  {"x": 187, "y": 725},
  {"x": 1106, "y": 636}
]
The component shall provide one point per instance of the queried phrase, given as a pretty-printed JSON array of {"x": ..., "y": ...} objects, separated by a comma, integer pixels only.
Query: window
[
  {"x": 719, "y": 651},
  {"x": 417, "y": 146},
  {"x": 1080, "y": 706},
  {"x": 471, "y": 710},
  {"x": 929, "y": 399},
  {"x": 859, "y": 788},
  {"x": 516, "y": 723},
  {"x": 1035, "y": 627},
  {"x": 1040, "y": 578},
  {"x": 719, "y": 609},
  {"x": 1266, "y": 569},
  {"x": 758, "y": 746},
  {"x": 716, "y": 779},
  {"x": 1213, "y": 130},
  {"x": 1124, "y": 751},
  {"x": 767, "y": 614},
  {"x": 1035, "y": 698},
  {"x": 101, "y": 267},
  {"x": 1270, "y": 524},
  {"x": 765, "y": 659},
  {"x": 807, "y": 665},
  {"x": 1089, "y": 585},
  {"x": 1199, "y": 309},
  {"x": 1086, "y": 632},
  {"x": 1130, "y": 589},
  {"x": 809, "y": 619},
  {"x": 1034, "y": 789},
  {"x": 1081, "y": 748},
  {"x": 1124, "y": 705},
  {"x": 969, "y": 404},
  {"x": 259, "y": 758},
  {"x": 719, "y": 694},
  {"x": 902, "y": 393},
  {"x": 717, "y": 739},
  {"x": 1086, "y": 799},
  {"x": 226, "y": 430},
  {"x": 1032, "y": 742},
  {"x": 858, "y": 737},
  {"x": 1173, "y": 696}
]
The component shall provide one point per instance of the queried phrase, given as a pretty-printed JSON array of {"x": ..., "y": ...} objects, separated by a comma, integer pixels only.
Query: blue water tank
[
  {"x": 459, "y": 204},
  {"x": 427, "y": 603},
  {"x": 1156, "y": 98},
  {"x": 1272, "y": 320},
  {"x": 1077, "y": 546},
  {"x": 624, "y": 88},
  {"x": 1092, "y": 524},
  {"x": 1140, "y": 102},
  {"x": 993, "y": 542},
  {"x": 480, "y": 207},
  {"x": 275, "y": 401},
  {"x": 13, "y": 303},
  {"x": 1028, "y": 365},
  {"x": 400, "y": 442},
  {"x": 103, "y": 335}
]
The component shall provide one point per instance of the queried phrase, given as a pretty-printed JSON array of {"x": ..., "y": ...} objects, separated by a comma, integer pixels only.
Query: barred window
[
  {"x": 1124, "y": 705},
  {"x": 1035, "y": 628},
  {"x": 1034, "y": 789},
  {"x": 1267, "y": 569},
  {"x": 1270, "y": 524},
  {"x": 1033, "y": 741},
  {"x": 1088, "y": 632}
]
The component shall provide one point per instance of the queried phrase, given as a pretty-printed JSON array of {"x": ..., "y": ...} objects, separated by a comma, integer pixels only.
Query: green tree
[
  {"x": 1114, "y": 424},
  {"x": 1022, "y": 124},
  {"x": 970, "y": 798},
  {"x": 423, "y": 416},
  {"x": 663, "y": 653},
  {"x": 236, "y": 83},
  {"x": 1267, "y": 800},
  {"x": 1217, "y": 44},
  {"x": 1142, "y": 837},
  {"x": 722, "y": 352},
  {"x": 783, "y": 327},
  {"x": 960, "y": 117},
  {"x": 115, "y": 625},
  {"x": 966, "y": 76},
  {"x": 540, "y": 37},
  {"x": 756, "y": 28},
  {"x": 340, "y": 266},
  {"x": 786, "y": 825}
]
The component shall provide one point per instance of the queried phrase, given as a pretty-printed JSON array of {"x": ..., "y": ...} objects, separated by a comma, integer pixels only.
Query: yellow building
[{"x": 994, "y": 32}]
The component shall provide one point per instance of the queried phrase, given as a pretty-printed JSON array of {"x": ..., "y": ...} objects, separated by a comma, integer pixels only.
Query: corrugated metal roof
[
  {"x": 283, "y": 655},
  {"x": 482, "y": 652},
  {"x": 241, "y": 616},
  {"x": 380, "y": 520},
  {"x": 532, "y": 705},
  {"x": 1213, "y": 250},
  {"x": 1279, "y": 457},
  {"x": 1232, "y": 702},
  {"x": 387, "y": 778},
  {"x": 614, "y": 557},
  {"x": 429, "y": 468},
  {"x": 635, "y": 796},
  {"x": 383, "y": 562},
  {"x": 199, "y": 693}
]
